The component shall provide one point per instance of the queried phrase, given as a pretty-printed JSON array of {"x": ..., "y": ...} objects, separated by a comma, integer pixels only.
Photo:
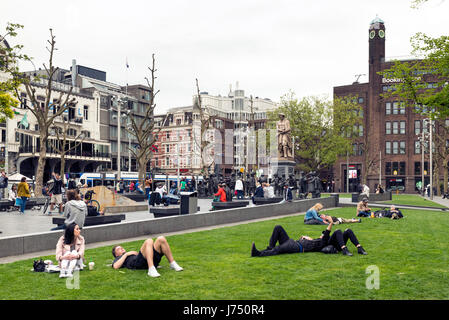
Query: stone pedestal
[{"x": 284, "y": 168}]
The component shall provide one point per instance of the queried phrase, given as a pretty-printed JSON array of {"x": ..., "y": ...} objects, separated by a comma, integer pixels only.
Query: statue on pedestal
[{"x": 285, "y": 148}]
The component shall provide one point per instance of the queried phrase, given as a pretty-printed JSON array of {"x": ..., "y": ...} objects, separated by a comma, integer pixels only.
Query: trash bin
[
  {"x": 355, "y": 197},
  {"x": 189, "y": 202}
]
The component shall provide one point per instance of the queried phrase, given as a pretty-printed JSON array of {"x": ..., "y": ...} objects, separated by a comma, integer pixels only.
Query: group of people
[{"x": 70, "y": 251}]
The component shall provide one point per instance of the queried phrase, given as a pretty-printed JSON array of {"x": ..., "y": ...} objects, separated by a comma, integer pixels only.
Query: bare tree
[
  {"x": 143, "y": 129},
  {"x": 41, "y": 110},
  {"x": 206, "y": 120},
  {"x": 64, "y": 142}
]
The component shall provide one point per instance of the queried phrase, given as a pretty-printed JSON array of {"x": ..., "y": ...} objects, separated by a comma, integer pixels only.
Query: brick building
[{"x": 388, "y": 150}]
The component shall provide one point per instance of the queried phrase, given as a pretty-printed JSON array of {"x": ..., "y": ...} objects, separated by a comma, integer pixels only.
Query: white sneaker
[
  {"x": 175, "y": 266},
  {"x": 63, "y": 274},
  {"x": 152, "y": 272}
]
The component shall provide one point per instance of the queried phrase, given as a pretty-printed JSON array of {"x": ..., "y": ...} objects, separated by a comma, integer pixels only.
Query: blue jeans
[
  {"x": 364, "y": 214},
  {"x": 239, "y": 194},
  {"x": 24, "y": 202}
]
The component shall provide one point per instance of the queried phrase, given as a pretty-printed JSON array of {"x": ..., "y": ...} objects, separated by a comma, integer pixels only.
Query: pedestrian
[
  {"x": 3, "y": 183},
  {"x": 56, "y": 193},
  {"x": 23, "y": 191},
  {"x": 239, "y": 188}
]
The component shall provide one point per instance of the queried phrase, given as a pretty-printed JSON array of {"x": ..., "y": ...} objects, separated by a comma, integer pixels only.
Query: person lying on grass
[
  {"x": 148, "y": 257},
  {"x": 308, "y": 244},
  {"x": 312, "y": 217}
]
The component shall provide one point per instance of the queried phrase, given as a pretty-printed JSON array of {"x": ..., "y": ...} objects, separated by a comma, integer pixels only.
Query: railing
[{"x": 76, "y": 153}]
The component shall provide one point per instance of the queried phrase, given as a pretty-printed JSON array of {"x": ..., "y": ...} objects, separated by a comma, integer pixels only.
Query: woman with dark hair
[
  {"x": 23, "y": 192},
  {"x": 70, "y": 251}
]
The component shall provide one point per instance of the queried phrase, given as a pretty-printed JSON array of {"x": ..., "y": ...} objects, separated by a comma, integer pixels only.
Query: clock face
[
  {"x": 372, "y": 34},
  {"x": 381, "y": 33}
]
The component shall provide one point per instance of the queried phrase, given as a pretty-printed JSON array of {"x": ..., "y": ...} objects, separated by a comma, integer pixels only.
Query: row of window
[
  {"x": 395, "y": 147},
  {"x": 398, "y": 168}
]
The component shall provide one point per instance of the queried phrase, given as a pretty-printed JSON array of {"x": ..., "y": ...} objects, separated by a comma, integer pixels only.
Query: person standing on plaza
[
  {"x": 23, "y": 192},
  {"x": 239, "y": 188},
  {"x": 3, "y": 183},
  {"x": 56, "y": 193}
]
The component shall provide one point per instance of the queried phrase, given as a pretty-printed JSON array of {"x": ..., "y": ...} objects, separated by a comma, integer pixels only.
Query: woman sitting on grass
[
  {"x": 70, "y": 251},
  {"x": 312, "y": 217},
  {"x": 338, "y": 240}
]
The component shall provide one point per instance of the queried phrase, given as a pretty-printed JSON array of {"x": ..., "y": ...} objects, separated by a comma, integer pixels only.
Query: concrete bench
[
  {"x": 160, "y": 212},
  {"x": 136, "y": 196},
  {"x": 7, "y": 204},
  {"x": 94, "y": 220},
  {"x": 217, "y": 205},
  {"x": 259, "y": 201}
]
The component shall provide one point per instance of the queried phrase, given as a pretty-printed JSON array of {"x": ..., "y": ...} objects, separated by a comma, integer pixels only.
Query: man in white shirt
[{"x": 239, "y": 188}]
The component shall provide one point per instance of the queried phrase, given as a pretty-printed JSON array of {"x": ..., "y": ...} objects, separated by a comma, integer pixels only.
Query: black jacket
[{"x": 315, "y": 245}]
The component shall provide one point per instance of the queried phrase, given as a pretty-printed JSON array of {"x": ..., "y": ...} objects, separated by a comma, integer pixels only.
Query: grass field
[
  {"x": 411, "y": 255},
  {"x": 412, "y": 200},
  {"x": 400, "y": 199}
]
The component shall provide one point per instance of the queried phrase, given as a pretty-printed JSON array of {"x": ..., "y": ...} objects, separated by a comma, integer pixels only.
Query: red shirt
[{"x": 222, "y": 194}]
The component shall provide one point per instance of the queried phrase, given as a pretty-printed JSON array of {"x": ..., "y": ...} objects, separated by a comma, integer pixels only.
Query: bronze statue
[{"x": 285, "y": 149}]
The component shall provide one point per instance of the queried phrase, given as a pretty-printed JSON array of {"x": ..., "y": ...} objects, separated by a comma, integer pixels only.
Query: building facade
[
  {"x": 388, "y": 150},
  {"x": 233, "y": 117}
]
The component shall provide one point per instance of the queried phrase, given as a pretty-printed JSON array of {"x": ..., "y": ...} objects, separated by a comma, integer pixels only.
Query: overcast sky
[{"x": 268, "y": 46}]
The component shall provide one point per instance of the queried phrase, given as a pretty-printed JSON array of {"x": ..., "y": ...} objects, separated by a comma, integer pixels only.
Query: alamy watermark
[{"x": 373, "y": 280}]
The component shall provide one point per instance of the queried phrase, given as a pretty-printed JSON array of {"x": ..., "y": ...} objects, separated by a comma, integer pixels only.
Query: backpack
[
  {"x": 329, "y": 249},
  {"x": 2, "y": 182},
  {"x": 92, "y": 211},
  {"x": 39, "y": 265}
]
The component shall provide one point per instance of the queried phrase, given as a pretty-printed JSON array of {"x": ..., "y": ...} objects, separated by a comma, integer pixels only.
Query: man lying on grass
[
  {"x": 148, "y": 257},
  {"x": 307, "y": 244}
]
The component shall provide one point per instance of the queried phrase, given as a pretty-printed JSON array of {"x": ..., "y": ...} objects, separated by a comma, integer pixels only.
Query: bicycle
[{"x": 91, "y": 202}]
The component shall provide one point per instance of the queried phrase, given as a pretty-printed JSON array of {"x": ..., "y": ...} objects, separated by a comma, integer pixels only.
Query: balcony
[{"x": 72, "y": 154}]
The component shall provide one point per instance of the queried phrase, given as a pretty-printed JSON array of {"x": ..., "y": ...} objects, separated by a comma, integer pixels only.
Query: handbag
[{"x": 18, "y": 202}]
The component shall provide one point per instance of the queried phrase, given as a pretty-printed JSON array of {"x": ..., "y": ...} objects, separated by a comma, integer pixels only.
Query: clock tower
[{"x": 376, "y": 34}]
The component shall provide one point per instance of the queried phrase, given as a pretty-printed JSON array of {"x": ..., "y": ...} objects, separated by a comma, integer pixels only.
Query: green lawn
[
  {"x": 411, "y": 255},
  {"x": 412, "y": 200}
]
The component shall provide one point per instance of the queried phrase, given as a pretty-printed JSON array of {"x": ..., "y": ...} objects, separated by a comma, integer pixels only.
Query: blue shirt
[{"x": 312, "y": 214}]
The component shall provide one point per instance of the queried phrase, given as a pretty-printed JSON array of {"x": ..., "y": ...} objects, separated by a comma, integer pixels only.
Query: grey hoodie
[{"x": 75, "y": 211}]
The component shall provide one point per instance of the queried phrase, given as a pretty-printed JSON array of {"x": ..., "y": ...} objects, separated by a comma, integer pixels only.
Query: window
[
  {"x": 402, "y": 168},
  {"x": 417, "y": 168},
  {"x": 86, "y": 112},
  {"x": 388, "y": 108},
  {"x": 71, "y": 132},
  {"x": 417, "y": 127},
  {"x": 113, "y": 132},
  {"x": 395, "y": 147},
  {"x": 388, "y": 127},
  {"x": 167, "y": 148},
  {"x": 395, "y": 127},
  {"x": 402, "y": 127},
  {"x": 361, "y": 100},
  {"x": 395, "y": 108},
  {"x": 402, "y": 147},
  {"x": 401, "y": 108},
  {"x": 395, "y": 168},
  {"x": 388, "y": 168},
  {"x": 360, "y": 131},
  {"x": 388, "y": 147},
  {"x": 417, "y": 147}
]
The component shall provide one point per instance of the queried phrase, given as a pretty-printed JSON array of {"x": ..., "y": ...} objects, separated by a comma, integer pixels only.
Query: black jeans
[
  {"x": 286, "y": 244},
  {"x": 339, "y": 239}
]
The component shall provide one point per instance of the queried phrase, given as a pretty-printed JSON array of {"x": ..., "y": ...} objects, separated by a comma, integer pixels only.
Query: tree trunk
[
  {"x": 62, "y": 166},
  {"x": 142, "y": 170},
  {"x": 41, "y": 166},
  {"x": 445, "y": 168}
]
